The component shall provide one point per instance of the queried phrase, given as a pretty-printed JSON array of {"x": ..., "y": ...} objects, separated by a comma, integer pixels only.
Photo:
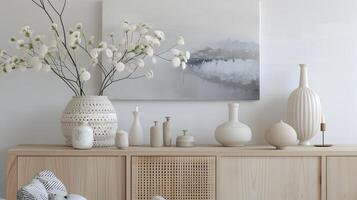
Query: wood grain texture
[
  {"x": 96, "y": 178},
  {"x": 323, "y": 178},
  {"x": 203, "y": 150},
  {"x": 341, "y": 178},
  {"x": 11, "y": 177},
  {"x": 128, "y": 177},
  {"x": 268, "y": 178}
]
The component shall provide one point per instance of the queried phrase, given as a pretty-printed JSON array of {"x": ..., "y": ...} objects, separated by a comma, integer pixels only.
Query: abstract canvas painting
[{"x": 222, "y": 36}]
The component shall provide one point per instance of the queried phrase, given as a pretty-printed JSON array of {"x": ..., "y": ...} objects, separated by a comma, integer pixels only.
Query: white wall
[{"x": 321, "y": 33}]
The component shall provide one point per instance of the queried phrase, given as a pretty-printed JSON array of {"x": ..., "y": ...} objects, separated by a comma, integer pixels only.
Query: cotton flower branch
[{"x": 124, "y": 57}]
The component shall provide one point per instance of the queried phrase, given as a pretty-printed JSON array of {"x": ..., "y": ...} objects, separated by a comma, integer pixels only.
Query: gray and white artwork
[{"x": 222, "y": 36}]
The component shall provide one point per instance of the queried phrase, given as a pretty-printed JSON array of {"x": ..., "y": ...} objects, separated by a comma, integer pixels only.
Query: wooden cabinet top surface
[{"x": 207, "y": 150}]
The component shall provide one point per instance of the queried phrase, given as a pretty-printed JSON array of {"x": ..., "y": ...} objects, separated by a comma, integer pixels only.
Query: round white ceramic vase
[
  {"x": 233, "y": 132},
  {"x": 82, "y": 136},
  {"x": 100, "y": 114},
  {"x": 122, "y": 140},
  {"x": 304, "y": 109},
  {"x": 281, "y": 135}
]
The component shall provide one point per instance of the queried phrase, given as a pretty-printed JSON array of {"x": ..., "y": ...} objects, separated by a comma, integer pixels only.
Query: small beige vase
[{"x": 281, "y": 135}]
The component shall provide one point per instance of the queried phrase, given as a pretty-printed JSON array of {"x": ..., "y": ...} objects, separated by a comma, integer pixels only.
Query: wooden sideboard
[{"x": 198, "y": 173}]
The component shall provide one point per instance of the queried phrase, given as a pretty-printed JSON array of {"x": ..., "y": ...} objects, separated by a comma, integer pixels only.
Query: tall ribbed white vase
[{"x": 304, "y": 109}]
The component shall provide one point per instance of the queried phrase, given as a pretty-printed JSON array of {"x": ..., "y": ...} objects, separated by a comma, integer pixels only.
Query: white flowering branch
[{"x": 123, "y": 59}]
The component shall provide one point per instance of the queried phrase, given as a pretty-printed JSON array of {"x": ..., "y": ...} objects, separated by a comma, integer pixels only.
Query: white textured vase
[
  {"x": 136, "y": 136},
  {"x": 233, "y": 132},
  {"x": 304, "y": 109},
  {"x": 100, "y": 114},
  {"x": 82, "y": 136}
]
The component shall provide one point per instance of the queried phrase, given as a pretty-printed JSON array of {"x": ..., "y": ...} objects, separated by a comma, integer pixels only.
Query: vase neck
[
  {"x": 233, "y": 112},
  {"x": 136, "y": 114},
  {"x": 304, "y": 82}
]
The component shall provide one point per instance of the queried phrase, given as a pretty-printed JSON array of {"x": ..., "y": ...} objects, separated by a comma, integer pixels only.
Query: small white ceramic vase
[
  {"x": 304, "y": 109},
  {"x": 233, "y": 132},
  {"x": 82, "y": 136},
  {"x": 166, "y": 127},
  {"x": 122, "y": 140},
  {"x": 136, "y": 136},
  {"x": 281, "y": 135}
]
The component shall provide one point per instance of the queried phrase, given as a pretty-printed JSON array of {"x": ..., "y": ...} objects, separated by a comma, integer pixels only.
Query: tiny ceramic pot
[
  {"x": 82, "y": 136},
  {"x": 281, "y": 135},
  {"x": 122, "y": 139},
  {"x": 185, "y": 140}
]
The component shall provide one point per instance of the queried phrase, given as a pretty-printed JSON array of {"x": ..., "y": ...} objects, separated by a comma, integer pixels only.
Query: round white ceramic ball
[
  {"x": 281, "y": 135},
  {"x": 158, "y": 198}
]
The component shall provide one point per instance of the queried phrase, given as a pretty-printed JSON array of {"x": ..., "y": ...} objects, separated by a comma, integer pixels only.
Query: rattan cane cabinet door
[{"x": 174, "y": 178}]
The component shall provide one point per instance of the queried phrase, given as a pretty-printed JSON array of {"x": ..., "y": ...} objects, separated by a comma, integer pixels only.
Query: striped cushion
[
  {"x": 33, "y": 191},
  {"x": 52, "y": 184}
]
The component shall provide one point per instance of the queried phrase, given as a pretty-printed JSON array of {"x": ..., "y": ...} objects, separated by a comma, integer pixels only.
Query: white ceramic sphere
[
  {"x": 281, "y": 135},
  {"x": 158, "y": 198}
]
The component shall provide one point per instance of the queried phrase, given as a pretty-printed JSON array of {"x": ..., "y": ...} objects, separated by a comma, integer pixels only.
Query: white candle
[
  {"x": 323, "y": 119},
  {"x": 137, "y": 109}
]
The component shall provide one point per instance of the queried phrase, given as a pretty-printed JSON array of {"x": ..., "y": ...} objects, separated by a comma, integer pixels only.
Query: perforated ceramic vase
[{"x": 100, "y": 114}]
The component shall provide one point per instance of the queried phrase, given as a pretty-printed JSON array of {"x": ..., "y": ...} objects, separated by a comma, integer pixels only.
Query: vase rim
[{"x": 89, "y": 97}]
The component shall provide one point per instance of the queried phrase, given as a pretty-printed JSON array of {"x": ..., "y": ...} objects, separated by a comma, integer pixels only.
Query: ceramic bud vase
[
  {"x": 82, "y": 136},
  {"x": 156, "y": 137},
  {"x": 166, "y": 127},
  {"x": 233, "y": 132},
  {"x": 136, "y": 137},
  {"x": 304, "y": 109}
]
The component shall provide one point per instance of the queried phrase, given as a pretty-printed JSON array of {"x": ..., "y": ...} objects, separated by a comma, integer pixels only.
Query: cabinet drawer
[
  {"x": 341, "y": 178},
  {"x": 93, "y": 177},
  {"x": 267, "y": 178},
  {"x": 174, "y": 178}
]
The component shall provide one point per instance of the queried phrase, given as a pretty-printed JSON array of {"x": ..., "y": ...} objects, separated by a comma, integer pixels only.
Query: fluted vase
[{"x": 304, "y": 109}]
